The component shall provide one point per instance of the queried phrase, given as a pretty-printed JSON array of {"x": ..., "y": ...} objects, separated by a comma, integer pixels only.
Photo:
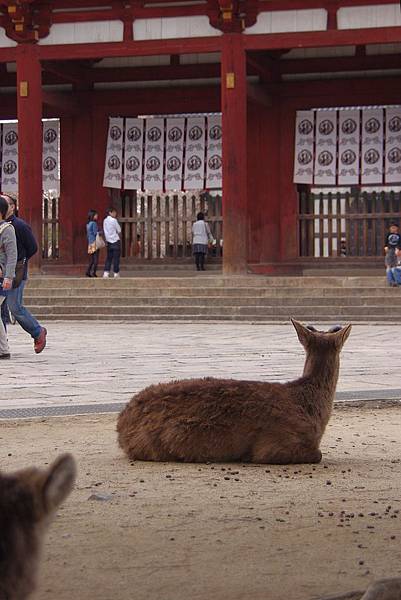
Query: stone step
[{"x": 96, "y": 301}]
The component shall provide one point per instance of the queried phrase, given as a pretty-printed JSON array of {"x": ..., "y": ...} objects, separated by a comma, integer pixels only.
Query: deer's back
[{"x": 188, "y": 419}]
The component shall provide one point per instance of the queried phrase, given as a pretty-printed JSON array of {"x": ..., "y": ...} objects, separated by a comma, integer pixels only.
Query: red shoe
[{"x": 40, "y": 341}]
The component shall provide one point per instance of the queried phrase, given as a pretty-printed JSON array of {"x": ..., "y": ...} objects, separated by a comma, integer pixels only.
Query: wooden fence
[
  {"x": 50, "y": 230},
  {"x": 159, "y": 226},
  {"x": 346, "y": 225}
]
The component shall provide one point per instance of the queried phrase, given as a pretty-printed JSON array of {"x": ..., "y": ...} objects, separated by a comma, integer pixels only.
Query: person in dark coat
[{"x": 26, "y": 247}]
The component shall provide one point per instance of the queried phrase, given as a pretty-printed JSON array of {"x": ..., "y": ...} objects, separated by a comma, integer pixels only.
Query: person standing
[
  {"x": 8, "y": 261},
  {"x": 201, "y": 236},
  {"x": 91, "y": 232},
  {"x": 112, "y": 232},
  {"x": 26, "y": 248},
  {"x": 393, "y": 241}
]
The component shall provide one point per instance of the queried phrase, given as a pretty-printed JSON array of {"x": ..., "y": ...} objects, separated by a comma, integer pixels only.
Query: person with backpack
[
  {"x": 8, "y": 261},
  {"x": 201, "y": 237},
  {"x": 26, "y": 247}
]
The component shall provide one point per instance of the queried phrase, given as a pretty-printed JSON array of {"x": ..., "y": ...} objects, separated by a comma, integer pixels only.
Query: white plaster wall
[
  {"x": 196, "y": 59},
  {"x": 383, "y": 49},
  {"x": 328, "y": 52},
  {"x": 378, "y": 15},
  {"x": 133, "y": 61},
  {"x": 173, "y": 27},
  {"x": 282, "y": 21},
  {"x": 5, "y": 41},
  {"x": 84, "y": 33}
]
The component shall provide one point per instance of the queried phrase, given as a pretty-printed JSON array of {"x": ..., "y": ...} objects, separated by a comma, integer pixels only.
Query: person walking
[
  {"x": 201, "y": 236},
  {"x": 93, "y": 251},
  {"x": 26, "y": 248},
  {"x": 8, "y": 261},
  {"x": 112, "y": 232}
]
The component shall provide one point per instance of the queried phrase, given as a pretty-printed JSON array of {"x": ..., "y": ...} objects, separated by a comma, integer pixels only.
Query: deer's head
[
  {"x": 311, "y": 338},
  {"x": 28, "y": 500}
]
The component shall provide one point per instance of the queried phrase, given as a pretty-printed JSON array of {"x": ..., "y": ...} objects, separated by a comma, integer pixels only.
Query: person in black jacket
[{"x": 26, "y": 247}]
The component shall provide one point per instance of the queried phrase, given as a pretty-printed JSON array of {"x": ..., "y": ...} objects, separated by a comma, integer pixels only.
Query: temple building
[{"x": 281, "y": 119}]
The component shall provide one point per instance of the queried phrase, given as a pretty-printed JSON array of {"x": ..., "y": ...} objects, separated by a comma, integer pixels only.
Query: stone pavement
[{"x": 94, "y": 363}]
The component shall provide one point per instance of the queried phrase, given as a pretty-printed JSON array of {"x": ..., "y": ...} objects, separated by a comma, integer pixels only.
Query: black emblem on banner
[
  {"x": 304, "y": 157},
  {"x": 325, "y": 158},
  {"x": 134, "y": 134},
  {"x": 372, "y": 125},
  {"x": 215, "y": 132},
  {"x": 348, "y": 157},
  {"x": 173, "y": 163},
  {"x": 175, "y": 134},
  {"x": 348, "y": 126},
  {"x": 11, "y": 138},
  {"x": 154, "y": 134},
  {"x": 9, "y": 167},
  {"x": 305, "y": 127},
  {"x": 371, "y": 156},
  {"x": 394, "y": 155},
  {"x": 115, "y": 133},
  {"x": 194, "y": 163},
  {"x": 50, "y": 136},
  {"x": 114, "y": 162},
  {"x": 49, "y": 164},
  {"x": 394, "y": 124},
  {"x": 153, "y": 163},
  {"x": 326, "y": 127},
  {"x": 132, "y": 163},
  {"x": 195, "y": 133},
  {"x": 214, "y": 162}
]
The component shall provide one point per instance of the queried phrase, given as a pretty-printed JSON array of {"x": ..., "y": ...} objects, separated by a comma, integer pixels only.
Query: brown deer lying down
[
  {"x": 383, "y": 589},
  {"x": 28, "y": 500},
  {"x": 221, "y": 420}
]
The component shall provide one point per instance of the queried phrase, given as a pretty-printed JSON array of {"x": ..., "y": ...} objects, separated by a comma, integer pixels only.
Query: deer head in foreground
[
  {"x": 220, "y": 420},
  {"x": 28, "y": 500}
]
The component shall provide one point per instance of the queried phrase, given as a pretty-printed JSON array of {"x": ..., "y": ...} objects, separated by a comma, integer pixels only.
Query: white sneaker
[
  {"x": 116, "y": 274},
  {"x": 106, "y": 274}
]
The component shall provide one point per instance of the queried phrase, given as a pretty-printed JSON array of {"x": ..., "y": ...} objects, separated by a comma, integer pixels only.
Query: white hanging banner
[
  {"x": 214, "y": 164},
  {"x": 372, "y": 145},
  {"x": 348, "y": 147},
  {"x": 133, "y": 157},
  {"x": 326, "y": 147},
  {"x": 154, "y": 150},
  {"x": 195, "y": 154},
  {"x": 303, "y": 159},
  {"x": 175, "y": 129},
  {"x": 50, "y": 166},
  {"x": 393, "y": 145},
  {"x": 113, "y": 170},
  {"x": 9, "y": 175}
]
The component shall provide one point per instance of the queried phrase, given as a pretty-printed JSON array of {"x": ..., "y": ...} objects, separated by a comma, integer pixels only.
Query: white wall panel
[
  {"x": 5, "y": 41},
  {"x": 173, "y": 27},
  {"x": 84, "y": 33},
  {"x": 281, "y": 21},
  {"x": 378, "y": 15}
]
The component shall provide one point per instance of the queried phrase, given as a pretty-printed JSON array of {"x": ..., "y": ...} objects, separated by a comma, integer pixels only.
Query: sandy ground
[{"x": 200, "y": 532}]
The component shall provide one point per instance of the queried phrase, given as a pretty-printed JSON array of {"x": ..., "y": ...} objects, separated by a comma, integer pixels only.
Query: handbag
[
  {"x": 19, "y": 273},
  {"x": 99, "y": 242},
  {"x": 92, "y": 248}
]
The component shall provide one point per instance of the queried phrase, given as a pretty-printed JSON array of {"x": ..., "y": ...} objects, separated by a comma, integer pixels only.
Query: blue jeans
[
  {"x": 15, "y": 300},
  {"x": 397, "y": 275},
  {"x": 113, "y": 256}
]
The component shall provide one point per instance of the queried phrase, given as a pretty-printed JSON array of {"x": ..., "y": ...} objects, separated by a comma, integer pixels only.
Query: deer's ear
[
  {"x": 58, "y": 481},
  {"x": 343, "y": 334},
  {"x": 304, "y": 334}
]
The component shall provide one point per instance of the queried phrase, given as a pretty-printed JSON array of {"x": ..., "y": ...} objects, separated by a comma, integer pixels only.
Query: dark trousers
[
  {"x": 113, "y": 257},
  {"x": 200, "y": 261},
  {"x": 93, "y": 262}
]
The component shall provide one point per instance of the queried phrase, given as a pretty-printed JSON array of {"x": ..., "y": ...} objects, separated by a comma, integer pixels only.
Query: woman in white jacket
[{"x": 201, "y": 236}]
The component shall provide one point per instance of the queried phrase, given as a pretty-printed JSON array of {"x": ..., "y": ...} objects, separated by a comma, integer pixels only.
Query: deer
[
  {"x": 228, "y": 420},
  {"x": 382, "y": 589},
  {"x": 28, "y": 500}
]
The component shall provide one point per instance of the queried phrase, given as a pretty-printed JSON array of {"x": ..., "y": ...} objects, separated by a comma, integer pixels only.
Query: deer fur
[
  {"x": 222, "y": 420},
  {"x": 28, "y": 500},
  {"x": 382, "y": 589}
]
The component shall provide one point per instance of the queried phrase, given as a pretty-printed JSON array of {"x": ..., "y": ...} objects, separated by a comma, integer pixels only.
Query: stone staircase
[{"x": 206, "y": 297}]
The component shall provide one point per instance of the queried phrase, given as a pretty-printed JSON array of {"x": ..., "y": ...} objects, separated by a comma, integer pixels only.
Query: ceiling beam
[
  {"x": 340, "y": 63},
  {"x": 67, "y": 71},
  {"x": 67, "y": 103}
]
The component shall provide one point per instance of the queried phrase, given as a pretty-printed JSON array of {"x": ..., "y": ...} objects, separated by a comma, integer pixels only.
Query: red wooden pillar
[
  {"x": 29, "y": 113},
  {"x": 233, "y": 100}
]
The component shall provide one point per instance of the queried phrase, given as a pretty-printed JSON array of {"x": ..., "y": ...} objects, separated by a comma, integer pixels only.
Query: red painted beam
[
  {"x": 266, "y": 5},
  {"x": 321, "y": 39},
  {"x": 8, "y": 54},
  {"x": 157, "y": 73},
  {"x": 134, "y": 48},
  {"x": 341, "y": 63}
]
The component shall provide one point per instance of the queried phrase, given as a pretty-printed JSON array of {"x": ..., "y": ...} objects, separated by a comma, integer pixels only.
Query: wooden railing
[
  {"x": 160, "y": 226},
  {"x": 346, "y": 225}
]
